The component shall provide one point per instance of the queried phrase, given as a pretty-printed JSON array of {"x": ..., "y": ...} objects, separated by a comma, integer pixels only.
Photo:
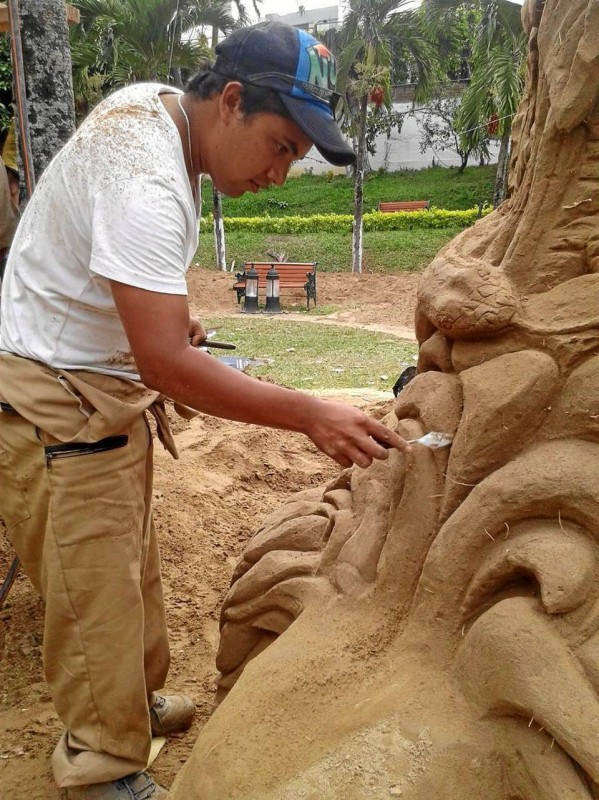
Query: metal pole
[{"x": 9, "y": 580}]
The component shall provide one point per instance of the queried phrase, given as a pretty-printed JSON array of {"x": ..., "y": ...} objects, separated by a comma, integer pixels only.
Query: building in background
[{"x": 316, "y": 20}]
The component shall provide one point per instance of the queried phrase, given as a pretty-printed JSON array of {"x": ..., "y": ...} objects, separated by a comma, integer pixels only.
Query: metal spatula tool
[{"x": 433, "y": 440}]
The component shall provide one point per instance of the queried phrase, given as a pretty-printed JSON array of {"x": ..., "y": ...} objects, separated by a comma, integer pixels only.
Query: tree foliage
[
  {"x": 440, "y": 131},
  {"x": 119, "y": 42},
  {"x": 498, "y": 59},
  {"x": 497, "y": 79},
  {"x": 370, "y": 32},
  {"x": 381, "y": 121}
]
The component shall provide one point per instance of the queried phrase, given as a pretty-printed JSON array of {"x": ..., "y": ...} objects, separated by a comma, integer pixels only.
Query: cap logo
[{"x": 323, "y": 68}]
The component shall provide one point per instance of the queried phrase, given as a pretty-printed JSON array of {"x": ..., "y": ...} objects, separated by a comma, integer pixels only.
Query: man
[{"x": 95, "y": 331}]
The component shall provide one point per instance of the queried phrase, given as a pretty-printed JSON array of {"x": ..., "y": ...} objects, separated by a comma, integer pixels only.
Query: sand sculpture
[{"x": 429, "y": 627}]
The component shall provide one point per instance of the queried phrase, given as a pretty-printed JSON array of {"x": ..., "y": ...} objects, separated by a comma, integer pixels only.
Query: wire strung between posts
[
  {"x": 469, "y": 130},
  {"x": 486, "y": 124},
  {"x": 6, "y": 586}
]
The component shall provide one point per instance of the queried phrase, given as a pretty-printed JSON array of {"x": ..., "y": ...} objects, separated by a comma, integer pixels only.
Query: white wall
[{"x": 401, "y": 151}]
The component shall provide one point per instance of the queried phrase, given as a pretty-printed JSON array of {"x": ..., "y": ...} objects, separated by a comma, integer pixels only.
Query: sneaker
[
  {"x": 171, "y": 714},
  {"x": 139, "y": 786}
]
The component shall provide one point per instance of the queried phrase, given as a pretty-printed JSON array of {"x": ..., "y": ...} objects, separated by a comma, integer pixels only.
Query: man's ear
[{"x": 230, "y": 105}]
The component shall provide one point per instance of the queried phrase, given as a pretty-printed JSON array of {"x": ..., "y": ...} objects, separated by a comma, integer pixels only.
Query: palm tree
[
  {"x": 243, "y": 17},
  {"x": 123, "y": 41},
  {"x": 497, "y": 74},
  {"x": 370, "y": 31}
]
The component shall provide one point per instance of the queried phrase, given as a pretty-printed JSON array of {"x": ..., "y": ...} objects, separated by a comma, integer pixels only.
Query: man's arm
[{"x": 157, "y": 326}]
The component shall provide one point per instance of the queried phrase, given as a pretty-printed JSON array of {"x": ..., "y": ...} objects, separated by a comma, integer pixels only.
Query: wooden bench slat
[
  {"x": 287, "y": 284},
  {"x": 292, "y": 275},
  {"x": 404, "y": 205},
  {"x": 285, "y": 272}
]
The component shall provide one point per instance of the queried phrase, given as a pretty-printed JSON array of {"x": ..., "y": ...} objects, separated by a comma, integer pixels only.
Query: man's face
[{"x": 255, "y": 152}]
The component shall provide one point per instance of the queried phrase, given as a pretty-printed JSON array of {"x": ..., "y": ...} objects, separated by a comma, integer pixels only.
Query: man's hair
[{"x": 254, "y": 99}]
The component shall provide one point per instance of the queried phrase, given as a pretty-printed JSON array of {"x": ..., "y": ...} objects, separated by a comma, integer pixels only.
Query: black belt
[{"x": 7, "y": 407}]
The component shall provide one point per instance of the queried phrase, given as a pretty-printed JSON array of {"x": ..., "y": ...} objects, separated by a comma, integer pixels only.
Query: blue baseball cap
[{"x": 300, "y": 70}]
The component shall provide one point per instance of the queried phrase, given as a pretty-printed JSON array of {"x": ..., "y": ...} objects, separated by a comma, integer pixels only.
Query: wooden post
[
  {"x": 358, "y": 224},
  {"x": 219, "y": 230}
]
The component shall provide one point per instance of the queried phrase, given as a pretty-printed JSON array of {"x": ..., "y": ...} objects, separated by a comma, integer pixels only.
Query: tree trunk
[
  {"x": 48, "y": 78},
  {"x": 358, "y": 227},
  {"x": 503, "y": 159},
  {"x": 219, "y": 230}
]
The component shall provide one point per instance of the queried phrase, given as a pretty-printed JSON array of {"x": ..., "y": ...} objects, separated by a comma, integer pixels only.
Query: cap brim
[{"x": 322, "y": 130}]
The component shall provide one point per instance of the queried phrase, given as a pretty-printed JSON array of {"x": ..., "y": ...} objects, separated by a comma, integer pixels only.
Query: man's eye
[{"x": 281, "y": 149}]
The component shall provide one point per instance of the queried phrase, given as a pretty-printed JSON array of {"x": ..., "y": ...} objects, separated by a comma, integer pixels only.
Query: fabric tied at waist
[
  {"x": 163, "y": 427},
  {"x": 80, "y": 406}
]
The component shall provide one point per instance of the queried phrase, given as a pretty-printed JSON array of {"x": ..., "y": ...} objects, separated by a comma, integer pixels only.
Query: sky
[{"x": 290, "y": 6}]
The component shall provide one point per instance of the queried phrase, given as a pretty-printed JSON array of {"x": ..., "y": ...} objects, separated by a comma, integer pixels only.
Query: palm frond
[
  {"x": 345, "y": 62},
  {"x": 121, "y": 41}
]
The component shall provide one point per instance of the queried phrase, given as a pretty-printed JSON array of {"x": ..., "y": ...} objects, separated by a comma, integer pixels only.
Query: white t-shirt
[{"x": 115, "y": 203}]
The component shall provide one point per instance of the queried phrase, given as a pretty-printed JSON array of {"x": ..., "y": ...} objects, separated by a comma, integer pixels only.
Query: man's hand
[
  {"x": 197, "y": 332},
  {"x": 349, "y": 436}
]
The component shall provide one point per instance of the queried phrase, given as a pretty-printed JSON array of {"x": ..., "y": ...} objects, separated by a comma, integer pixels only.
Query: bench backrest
[
  {"x": 405, "y": 205},
  {"x": 290, "y": 272}
]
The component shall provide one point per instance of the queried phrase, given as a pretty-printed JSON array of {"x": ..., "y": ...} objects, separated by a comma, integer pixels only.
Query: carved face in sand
[{"x": 429, "y": 627}]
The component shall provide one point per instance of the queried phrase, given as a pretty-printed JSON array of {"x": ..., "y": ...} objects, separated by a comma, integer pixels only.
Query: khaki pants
[{"x": 79, "y": 518}]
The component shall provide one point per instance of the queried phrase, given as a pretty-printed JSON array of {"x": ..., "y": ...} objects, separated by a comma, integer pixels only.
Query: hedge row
[{"x": 374, "y": 221}]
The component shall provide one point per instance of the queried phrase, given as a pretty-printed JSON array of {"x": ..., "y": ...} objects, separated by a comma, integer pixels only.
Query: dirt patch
[
  {"x": 207, "y": 505},
  {"x": 379, "y": 302}
]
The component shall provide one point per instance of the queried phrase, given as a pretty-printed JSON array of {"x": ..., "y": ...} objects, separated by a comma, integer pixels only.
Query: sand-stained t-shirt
[{"x": 114, "y": 204}]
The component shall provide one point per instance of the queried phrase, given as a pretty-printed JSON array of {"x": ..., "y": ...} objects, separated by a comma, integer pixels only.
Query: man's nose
[{"x": 277, "y": 174}]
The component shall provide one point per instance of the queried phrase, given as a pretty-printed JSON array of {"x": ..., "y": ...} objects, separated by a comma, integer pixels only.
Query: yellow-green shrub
[{"x": 373, "y": 221}]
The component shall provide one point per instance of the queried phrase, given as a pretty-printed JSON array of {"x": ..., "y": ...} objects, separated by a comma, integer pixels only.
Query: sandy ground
[{"x": 207, "y": 505}]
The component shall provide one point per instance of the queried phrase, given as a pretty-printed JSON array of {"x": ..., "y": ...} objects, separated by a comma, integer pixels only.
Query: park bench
[
  {"x": 405, "y": 205},
  {"x": 292, "y": 275}
]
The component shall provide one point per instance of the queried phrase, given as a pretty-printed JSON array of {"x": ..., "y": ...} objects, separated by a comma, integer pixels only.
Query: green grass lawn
[
  {"x": 316, "y": 194},
  {"x": 384, "y": 251},
  {"x": 311, "y": 356}
]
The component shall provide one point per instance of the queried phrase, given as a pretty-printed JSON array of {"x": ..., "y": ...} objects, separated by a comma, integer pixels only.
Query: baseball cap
[{"x": 300, "y": 70}]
